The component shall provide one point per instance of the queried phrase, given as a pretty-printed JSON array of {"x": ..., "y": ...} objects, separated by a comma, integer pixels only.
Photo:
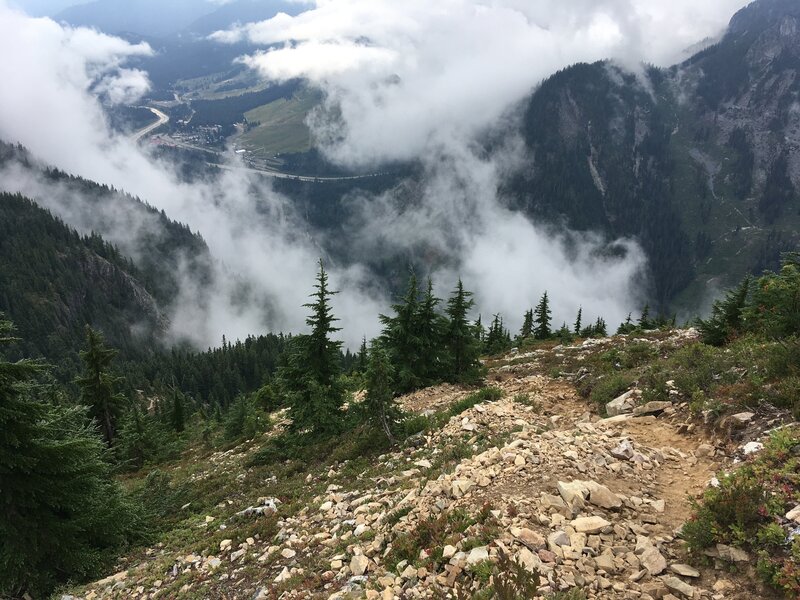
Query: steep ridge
[
  {"x": 589, "y": 503},
  {"x": 699, "y": 162}
]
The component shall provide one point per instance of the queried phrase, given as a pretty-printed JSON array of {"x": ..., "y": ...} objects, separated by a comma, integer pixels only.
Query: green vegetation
[
  {"x": 64, "y": 516},
  {"x": 747, "y": 511}
]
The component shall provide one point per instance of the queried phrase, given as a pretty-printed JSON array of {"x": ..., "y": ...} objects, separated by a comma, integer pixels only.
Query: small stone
[
  {"x": 624, "y": 451},
  {"x": 794, "y": 514},
  {"x": 705, "y": 451},
  {"x": 288, "y": 553},
  {"x": 477, "y": 555},
  {"x": 752, "y": 448},
  {"x": 449, "y": 552},
  {"x": 225, "y": 544},
  {"x": 284, "y": 575},
  {"x": 732, "y": 554}
]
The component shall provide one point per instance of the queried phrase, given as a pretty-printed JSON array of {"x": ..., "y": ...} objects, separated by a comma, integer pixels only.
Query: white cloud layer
[
  {"x": 406, "y": 80},
  {"x": 412, "y": 73}
]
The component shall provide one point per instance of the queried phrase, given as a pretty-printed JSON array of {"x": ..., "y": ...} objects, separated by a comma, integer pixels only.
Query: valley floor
[{"x": 536, "y": 476}]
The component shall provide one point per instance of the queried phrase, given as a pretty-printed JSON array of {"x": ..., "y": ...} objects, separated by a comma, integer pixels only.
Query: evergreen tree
[
  {"x": 363, "y": 356},
  {"x": 310, "y": 380},
  {"x": 431, "y": 327},
  {"x": 480, "y": 331},
  {"x": 62, "y": 517},
  {"x": 542, "y": 318},
  {"x": 627, "y": 326},
  {"x": 401, "y": 339},
  {"x": 644, "y": 320},
  {"x": 98, "y": 385},
  {"x": 498, "y": 339},
  {"x": 578, "y": 320},
  {"x": 379, "y": 406},
  {"x": 727, "y": 316},
  {"x": 600, "y": 329},
  {"x": 178, "y": 418},
  {"x": 463, "y": 349},
  {"x": 527, "y": 325}
]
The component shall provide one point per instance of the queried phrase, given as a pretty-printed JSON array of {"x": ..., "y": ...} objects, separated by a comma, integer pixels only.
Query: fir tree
[
  {"x": 527, "y": 326},
  {"x": 98, "y": 385},
  {"x": 542, "y": 318},
  {"x": 498, "y": 339},
  {"x": 310, "y": 380},
  {"x": 644, "y": 320},
  {"x": 578, "y": 320},
  {"x": 401, "y": 339},
  {"x": 62, "y": 517},
  {"x": 362, "y": 360},
  {"x": 431, "y": 327},
  {"x": 379, "y": 406},
  {"x": 463, "y": 349},
  {"x": 177, "y": 417},
  {"x": 726, "y": 319}
]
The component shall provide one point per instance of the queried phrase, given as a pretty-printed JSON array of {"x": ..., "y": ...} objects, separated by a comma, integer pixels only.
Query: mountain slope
[
  {"x": 699, "y": 162},
  {"x": 54, "y": 281}
]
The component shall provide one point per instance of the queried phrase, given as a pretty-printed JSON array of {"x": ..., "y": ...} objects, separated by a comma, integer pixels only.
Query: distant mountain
[
  {"x": 700, "y": 162},
  {"x": 145, "y": 17},
  {"x": 157, "y": 18},
  {"x": 242, "y": 11}
]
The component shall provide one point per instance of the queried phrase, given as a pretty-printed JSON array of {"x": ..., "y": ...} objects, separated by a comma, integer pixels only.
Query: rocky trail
[{"x": 536, "y": 476}]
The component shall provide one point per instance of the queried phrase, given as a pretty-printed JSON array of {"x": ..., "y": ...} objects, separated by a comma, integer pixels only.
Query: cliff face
[{"x": 700, "y": 162}]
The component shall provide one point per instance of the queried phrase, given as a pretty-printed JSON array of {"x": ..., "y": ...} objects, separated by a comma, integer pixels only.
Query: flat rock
[
  {"x": 684, "y": 570},
  {"x": 676, "y": 585},
  {"x": 651, "y": 408},
  {"x": 359, "y": 565},
  {"x": 590, "y": 524},
  {"x": 530, "y": 538}
]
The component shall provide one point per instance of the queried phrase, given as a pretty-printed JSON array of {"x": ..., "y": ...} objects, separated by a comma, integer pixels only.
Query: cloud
[
  {"x": 402, "y": 80},
  {"x": 49, "y": 103},
  {"x": 405, "y": 74}
]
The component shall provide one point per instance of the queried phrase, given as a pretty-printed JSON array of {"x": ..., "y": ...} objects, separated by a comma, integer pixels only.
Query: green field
[{"x": 282, "y": 127}]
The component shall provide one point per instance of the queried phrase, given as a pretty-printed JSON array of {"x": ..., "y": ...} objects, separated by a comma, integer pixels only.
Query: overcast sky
[{"x": 410, "y": 79}]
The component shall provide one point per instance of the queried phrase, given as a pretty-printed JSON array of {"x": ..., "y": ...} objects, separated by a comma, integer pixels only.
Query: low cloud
[{"x": 413, "y": 80}]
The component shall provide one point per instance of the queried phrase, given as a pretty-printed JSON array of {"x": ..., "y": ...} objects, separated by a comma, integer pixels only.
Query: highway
[{"x": 163, "y": 119}]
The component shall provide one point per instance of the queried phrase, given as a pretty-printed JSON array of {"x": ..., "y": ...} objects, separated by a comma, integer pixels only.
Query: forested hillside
[{"x": 53, "y": 282}]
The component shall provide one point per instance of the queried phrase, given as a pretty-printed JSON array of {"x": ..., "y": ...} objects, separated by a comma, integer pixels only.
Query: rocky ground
[{"x": 537, "y": 476}]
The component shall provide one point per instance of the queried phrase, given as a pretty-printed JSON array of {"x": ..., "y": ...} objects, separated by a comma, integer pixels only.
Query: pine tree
[
  {"x": 498, "y": 339},
  {"x": 177, "y": 417},
  {"x": 363, "y": 356},
  {"x": 430, "y": 325},
  {"x": 62, "y": 517},
  {"x": 98, "y": 384},
  {"x": 463, "y": 349},
  {"x": 644, "y": 320},
  {"x": 542, "y": 318},
  {"x": 527, "y": 325},
  {"x": 727, "y": 315},
  {"x": 401, "y": 339},
  {"x": 310, "y": 379},
  {"x": 578, "y": 320},
  {"x": 379, "y": 406}
]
